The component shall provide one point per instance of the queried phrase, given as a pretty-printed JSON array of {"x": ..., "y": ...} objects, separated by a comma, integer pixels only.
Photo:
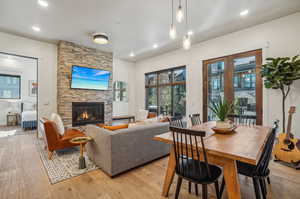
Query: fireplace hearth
[{"x": 87, "y": 113}]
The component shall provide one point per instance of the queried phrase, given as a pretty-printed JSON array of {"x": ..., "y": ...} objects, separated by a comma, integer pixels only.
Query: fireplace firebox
[{"x": 87, "y": 113}]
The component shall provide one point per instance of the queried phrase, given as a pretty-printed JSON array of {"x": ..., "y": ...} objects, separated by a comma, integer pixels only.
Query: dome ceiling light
[{"x": 100, "y": 38}]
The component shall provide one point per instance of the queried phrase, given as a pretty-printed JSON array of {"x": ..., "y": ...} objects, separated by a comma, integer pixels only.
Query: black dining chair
[
  {"x": 195, "y": 119},
  {"x": 261, "y": 171},
  {"x": 187, "y": 144},
  {"x": 177, "y": 122},
  {"x": 243, "y": 119}
]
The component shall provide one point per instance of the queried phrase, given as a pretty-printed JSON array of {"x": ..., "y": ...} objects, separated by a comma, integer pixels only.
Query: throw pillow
[
  {"x": 59, "y": 123},
  {"x": 113, "y": 128}
]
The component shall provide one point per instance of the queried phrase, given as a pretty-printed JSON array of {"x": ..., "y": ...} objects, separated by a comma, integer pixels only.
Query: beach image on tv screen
[{"x": 88, "y": 78}]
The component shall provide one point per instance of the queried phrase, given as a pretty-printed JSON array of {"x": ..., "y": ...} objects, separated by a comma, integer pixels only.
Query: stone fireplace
[
  {"x": 70, "y": 54},
  {"x": 87, "y": 113}
]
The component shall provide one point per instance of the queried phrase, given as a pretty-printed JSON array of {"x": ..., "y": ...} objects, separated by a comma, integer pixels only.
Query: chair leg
[
  {"x": 217, "y": 190},
  {"x": 263, "y": 188},
  {"x": 204, "y": 191},
  {"x": 268, "y": 179},
  {"x": 190, "y": 187},
  {"x": 179, "y": 182},
  {"x": 50, "y": 154},
  {"x": 196, "y": 189},
  {"x": 256, "y": 188},
  {"x": 222, "y": 187}
]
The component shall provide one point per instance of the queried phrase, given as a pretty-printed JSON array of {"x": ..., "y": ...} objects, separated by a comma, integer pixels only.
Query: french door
[{"x": 237, "y": 79}]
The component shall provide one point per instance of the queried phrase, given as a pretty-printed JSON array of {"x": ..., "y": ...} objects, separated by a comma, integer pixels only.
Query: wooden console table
[{"x": 124, "y": 117}]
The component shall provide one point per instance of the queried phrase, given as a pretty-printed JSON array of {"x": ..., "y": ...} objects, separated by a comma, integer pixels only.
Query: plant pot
[{"x": 224, "y": 125}]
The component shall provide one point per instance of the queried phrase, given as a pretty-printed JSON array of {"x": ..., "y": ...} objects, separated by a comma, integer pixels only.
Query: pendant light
[
  {"x": 179, "y": 13},
  {"x": 187, "y": 37},
  {"x": 172, "y": 32}
]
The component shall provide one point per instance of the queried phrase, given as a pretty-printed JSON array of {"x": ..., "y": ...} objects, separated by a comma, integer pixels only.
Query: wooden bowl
[{"x": 224, "y": 130}]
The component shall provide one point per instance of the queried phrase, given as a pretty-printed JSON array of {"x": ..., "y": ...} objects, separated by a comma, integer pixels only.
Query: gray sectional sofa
[{"x": 118, "y": 151}]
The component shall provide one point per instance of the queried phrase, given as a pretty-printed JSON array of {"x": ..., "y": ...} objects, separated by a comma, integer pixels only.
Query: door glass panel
[
  {"x": 179, "y": 100},
  {"x": 165, "y": 100},
  {"x": 244, "y": 84},
  {"x": 215, "y": 85}
]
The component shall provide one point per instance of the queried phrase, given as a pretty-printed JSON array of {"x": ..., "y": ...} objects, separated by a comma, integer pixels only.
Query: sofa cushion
[{"x": 113, "y": 128}]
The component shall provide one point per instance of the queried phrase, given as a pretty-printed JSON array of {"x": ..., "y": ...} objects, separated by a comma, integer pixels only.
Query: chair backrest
[
  {"x": 195, "y": 119},
  {"x": 188, "y": 147},
  {"x": 176, "y": 121},
  {"x": 243, "y": 119},
  {"x": 51, "y": 133},
  {"x": 264, "y": 160}
]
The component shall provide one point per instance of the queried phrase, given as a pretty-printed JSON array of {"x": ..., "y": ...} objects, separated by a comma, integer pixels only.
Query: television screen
[{"x": 89, "y": 78}]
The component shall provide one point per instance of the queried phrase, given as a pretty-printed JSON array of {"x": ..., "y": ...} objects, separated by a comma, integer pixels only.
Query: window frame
[
  {"x": 157, "y": 85},
  {"x": 17, "y": 76}
]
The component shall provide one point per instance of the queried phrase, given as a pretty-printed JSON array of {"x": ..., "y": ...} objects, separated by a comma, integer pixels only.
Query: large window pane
[
  {"x": 9, "y": 87},
  {"x": 179, "y": 100},
  {"x": 151, "y": 99},
  {"x": 165, "y": 91},
  {"x": 165, "y": 100}
]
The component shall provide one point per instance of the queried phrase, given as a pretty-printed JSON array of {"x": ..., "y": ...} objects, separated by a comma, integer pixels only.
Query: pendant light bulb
[
  {"x": 179, "y": 14},
  {"x": 186, "y": 42},
  {"x": 173, "y": 32}
]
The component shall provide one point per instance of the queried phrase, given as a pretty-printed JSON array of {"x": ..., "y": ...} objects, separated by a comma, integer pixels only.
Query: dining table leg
[
  {"x": 170, "y": 173},
  {"x": 231, "y": 179}
]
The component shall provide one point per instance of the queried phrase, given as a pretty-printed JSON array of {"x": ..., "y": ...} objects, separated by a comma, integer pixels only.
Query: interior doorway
[
  {"x": 234, "y": 78},
  {"x": 18, "y": 94}
]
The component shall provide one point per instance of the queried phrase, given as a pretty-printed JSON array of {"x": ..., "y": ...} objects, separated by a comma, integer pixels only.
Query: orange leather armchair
[{"x": 55, "y": 141}]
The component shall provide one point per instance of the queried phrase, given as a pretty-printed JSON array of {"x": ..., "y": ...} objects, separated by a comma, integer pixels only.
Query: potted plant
[
  {"x": 280, "y": 73},
  {"x": 222, "y": 108}
]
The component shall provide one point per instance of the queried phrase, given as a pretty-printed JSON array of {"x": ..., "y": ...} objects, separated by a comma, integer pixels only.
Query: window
[
  {"x": 166, "y": 91},
  {"x": 10, "y": 86},
  {"x": 120, "y": 91}
]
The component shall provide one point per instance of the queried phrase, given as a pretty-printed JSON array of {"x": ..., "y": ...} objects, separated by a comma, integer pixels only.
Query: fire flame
[{"x": 85, "y": 115}]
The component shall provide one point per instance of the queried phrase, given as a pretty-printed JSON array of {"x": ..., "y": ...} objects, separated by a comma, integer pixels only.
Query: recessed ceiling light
[
  {"x": 131, "y": 54},
  {"x": 155, "y": 45},
  {"x": 190, "y": 33},
  {"x": 43, "y": 3},
  {"x": 100, "y": 38},
  {"x": 36, "y": 29},
  {"x": 244, "y": 12}
]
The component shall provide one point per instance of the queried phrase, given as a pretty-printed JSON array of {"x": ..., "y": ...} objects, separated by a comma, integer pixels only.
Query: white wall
[
  {"x": 27, "y": 69},
  {"x": 124, "y": 71},
  {"x": 277, "y": 38},
  {"x": 47, "y": 64}
]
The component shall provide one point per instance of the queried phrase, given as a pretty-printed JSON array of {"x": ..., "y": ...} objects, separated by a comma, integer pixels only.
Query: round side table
[{"x": 81, "y": 140}]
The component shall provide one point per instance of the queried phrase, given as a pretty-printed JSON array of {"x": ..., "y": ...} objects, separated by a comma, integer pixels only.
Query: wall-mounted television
[{"x": 89, "y": 78}]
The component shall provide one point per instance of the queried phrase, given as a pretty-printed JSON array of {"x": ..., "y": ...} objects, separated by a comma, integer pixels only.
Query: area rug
[
  {"x": 64, "y": 163},
  {"x": 6, "y": 131}
]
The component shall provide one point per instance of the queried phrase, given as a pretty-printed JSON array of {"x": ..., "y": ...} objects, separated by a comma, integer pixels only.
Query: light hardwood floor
[{"x": 22, "y": 176}]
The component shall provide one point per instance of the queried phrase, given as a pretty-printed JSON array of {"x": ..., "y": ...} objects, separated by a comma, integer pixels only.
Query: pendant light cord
[
  {"x": 186, "y": 14},
  {"x": 172, "y": 10}
]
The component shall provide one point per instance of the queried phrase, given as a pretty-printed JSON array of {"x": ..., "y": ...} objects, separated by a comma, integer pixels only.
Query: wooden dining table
[{"x": 245, "y": 144}]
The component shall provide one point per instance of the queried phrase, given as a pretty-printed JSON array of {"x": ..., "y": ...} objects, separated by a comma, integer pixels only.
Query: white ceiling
[{"x": 134, "y": 25}]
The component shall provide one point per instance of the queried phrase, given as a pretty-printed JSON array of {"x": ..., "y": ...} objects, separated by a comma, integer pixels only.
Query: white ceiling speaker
[{"x": 100, "y": 38}]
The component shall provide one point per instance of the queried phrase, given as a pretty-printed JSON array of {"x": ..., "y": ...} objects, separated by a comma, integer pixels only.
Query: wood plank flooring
[{"x": 22, "y": 176}]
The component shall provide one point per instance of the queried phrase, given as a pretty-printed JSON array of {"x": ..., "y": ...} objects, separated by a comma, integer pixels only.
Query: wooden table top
[{"x": 245, "y": 145}]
